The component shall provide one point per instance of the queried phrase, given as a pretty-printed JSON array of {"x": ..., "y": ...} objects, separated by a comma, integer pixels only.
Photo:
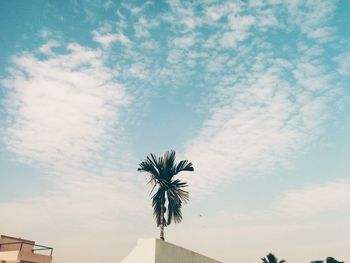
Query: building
[
  {"x": 18, "y": 250},
  {"x": 158, "y": 251}
]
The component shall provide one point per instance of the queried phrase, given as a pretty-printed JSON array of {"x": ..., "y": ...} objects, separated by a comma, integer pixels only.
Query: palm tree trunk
[{"x": 161, "y": 226}]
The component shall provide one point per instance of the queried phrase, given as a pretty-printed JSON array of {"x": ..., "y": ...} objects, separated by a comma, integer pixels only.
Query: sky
[{"x": 254, "y": 93}]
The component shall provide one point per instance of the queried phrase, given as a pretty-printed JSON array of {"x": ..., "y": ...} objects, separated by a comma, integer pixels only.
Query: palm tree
[
  {"x": 271, "y": 258},
  {"x": 332, "y": 260},
  {"x": 170, "y": 191}
]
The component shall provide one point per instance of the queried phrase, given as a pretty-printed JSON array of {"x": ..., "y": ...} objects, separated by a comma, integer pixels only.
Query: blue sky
[{"x": 254, "y": 93}]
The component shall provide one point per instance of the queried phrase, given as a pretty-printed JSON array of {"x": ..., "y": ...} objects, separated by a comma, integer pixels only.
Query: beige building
[
  {"x": 18, "y": 250},
  {"x": 158, "y": 251}
]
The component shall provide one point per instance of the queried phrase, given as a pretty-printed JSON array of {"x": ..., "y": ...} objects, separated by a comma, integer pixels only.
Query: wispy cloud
[
  {"x": 47, "y": 48},
  {"x": 315, "y": 199},
  {"x": 64, "y": 108},
  {"x": 261, "y": 120},
  {"x": 143, "y": 26},
  {"x": 311, "y": 18},
  {"x": 185, "y": 41},
  {"x": 135, "y": 10},
  {"x": 65, "y": 112},
  {"x": 106, "y": 38},
  {"x": 343, "y": 62},
  {"x": 264, "y": 108}
]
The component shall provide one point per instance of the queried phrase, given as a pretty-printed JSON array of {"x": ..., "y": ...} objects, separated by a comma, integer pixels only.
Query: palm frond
[
  {"x": 154, "y": 159},
  {"x": 174, "y": 208},
  {"x": 181, "y": 194},
  {"x": 154, "y": 186},
  {"x": 176, "y": 196},
  {"x": 149, "y": 166},
  {"x": 271, "y": 258},
  {"x": 158, "y": 200},
  {"x": 168, "y": 164},
  {"x": 183, "y": 165},
  {"x": 177, "y": 214},
  {"x": 170, "y": 210}
]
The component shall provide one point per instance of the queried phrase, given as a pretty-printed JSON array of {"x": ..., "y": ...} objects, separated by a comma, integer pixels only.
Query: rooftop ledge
[{"x": 158, "y": 251}]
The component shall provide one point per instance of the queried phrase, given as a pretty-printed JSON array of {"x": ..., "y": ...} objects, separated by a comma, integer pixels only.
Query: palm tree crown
[
  {"x": 332, "y": 260},
  {"x": 170, "y": 191},
  {"x": 271, "y": 258}
]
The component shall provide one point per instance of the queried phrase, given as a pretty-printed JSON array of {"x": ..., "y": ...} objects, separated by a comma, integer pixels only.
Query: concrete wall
[
  {"x": 159, "y": 251},
  {"x": 170, "y": 253},
  {"x": 144, "y": 252}
]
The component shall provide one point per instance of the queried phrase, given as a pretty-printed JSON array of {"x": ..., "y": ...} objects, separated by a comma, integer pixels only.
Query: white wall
[
  {"x": 159, "y": 251},
  {"x": 144, "y": 252}
]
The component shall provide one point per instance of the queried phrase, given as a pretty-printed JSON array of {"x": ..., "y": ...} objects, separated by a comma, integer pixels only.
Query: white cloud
[
  {"x": 107, "y": 39},
  {"x": 123, "y": 39},
  {"x": 260, "y": 120},
  {"x": 45, "y": 33},
  {"x": 324, "y": 34},
  {"x": 138, "y": 71},
  {"x": 316, "y": 199},
  {"x": 232, "y": 38},
  {"x": 183, "y": 16},
  {"x": 311, "y": 17},
  {"x": 65, "y": 113},
  {"x": 185, "y": 41},
  {"x": 240, "y": 22},
  {"x": 121, "y": 21},
  {"x": 343, "y": 61},
  {"x": 46, "y": 49},
  {"x": 143, "y": 25},
  {"x": 271, "y": 98},
  {"x": 218, "y": 63},
  {"x": 174, "y": 56},
  {"x": 134, "y": 10},
  {"x": 151, "y": 44},
  {"x": 141, "y": 31},
  {"x": 217, "y": 11},
  {"x": 267, "y": 18},
  {"x": 64, "y": 108},
  {"x": 267, "y": 108},
  {"x": 238, "y": 30}
]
